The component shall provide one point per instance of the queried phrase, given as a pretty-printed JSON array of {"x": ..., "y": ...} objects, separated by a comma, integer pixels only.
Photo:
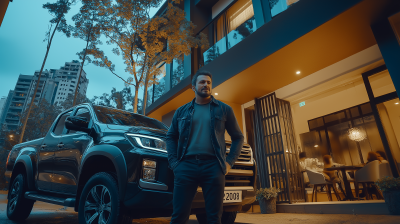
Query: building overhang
[{"x": 307, "y": 37}]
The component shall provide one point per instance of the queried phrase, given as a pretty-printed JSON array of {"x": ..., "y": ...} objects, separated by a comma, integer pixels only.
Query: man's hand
[{"x": 228, "y": 167}]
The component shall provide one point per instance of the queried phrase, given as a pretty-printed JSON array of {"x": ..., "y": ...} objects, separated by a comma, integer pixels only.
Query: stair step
[{"x": 33, "y": 195}]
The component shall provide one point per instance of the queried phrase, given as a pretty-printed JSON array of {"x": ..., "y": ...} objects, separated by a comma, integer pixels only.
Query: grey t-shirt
[{"x": 200, "y": 135}]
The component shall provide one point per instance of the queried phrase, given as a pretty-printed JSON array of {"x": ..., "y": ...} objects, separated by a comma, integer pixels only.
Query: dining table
[{"x": 346, "y": 183}]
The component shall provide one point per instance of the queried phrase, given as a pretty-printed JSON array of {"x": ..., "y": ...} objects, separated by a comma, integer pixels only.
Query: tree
[
  {"x": 87, "y": 27},
  {"x": 122, "y": 27},
  {"x": 167, "y": 38},
  {"x": 117, "y": 99},
  {"x": 58, "y": 10},
  {"x": 79, "y": 98}
]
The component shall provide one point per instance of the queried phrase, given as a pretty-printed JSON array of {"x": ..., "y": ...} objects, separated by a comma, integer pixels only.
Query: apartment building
[
  {"x": 54, "y": 87},
  {"x": 66, "y": 79},
  {"x": 301, "y": 76}
]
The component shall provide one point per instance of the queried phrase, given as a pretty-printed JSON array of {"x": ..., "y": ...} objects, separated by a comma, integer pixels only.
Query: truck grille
[{"x": 243, "y": 172}]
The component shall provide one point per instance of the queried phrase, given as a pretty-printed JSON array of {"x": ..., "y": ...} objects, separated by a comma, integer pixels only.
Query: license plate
[{"x": 232, "y": 196}]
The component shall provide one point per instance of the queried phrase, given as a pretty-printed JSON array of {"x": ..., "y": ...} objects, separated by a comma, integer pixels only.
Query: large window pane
[
  {"x": 159, "y": 86},
  {"x": 178, "y": 71}
]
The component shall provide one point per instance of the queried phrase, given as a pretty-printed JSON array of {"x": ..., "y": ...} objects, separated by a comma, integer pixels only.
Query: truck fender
[
  {"x": 116, "y": 157},
  {"x": 26, "y": 160}
]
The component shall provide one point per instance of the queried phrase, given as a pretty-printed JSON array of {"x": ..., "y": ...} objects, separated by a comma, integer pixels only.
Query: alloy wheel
[
  {"x": 14, "y": 196},
  {"x": 98, "y": 205}
]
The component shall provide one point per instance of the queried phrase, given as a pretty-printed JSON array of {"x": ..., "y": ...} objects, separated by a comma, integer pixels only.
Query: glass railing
[
  {"x": 234, "y": 37},
  {"x": 241, "y": 32},
  {"x": 278, "y": 6}
]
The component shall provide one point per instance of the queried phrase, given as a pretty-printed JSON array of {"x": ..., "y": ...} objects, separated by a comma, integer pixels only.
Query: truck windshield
[{"x": 108, "y": 115}]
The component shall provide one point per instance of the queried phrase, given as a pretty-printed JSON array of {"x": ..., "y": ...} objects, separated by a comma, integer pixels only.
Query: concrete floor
[{"x": 44, "y": 213}]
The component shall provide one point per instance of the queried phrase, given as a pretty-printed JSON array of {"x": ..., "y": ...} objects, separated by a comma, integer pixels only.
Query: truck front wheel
[
  {"x": 99, "y": 202},
  {"x": 18, "y": 207}
]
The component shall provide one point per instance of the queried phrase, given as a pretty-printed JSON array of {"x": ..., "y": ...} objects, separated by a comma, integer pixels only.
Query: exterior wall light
[
  {"x": 216, "y": 94},
  {"x": 298, "y": 72}
]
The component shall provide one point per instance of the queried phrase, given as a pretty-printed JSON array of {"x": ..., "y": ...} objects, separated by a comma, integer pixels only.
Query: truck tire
[
  {"x": 99, "y": 202},
  {"x": 228, "y": 217},
  {"x": 18, "y": 207}
]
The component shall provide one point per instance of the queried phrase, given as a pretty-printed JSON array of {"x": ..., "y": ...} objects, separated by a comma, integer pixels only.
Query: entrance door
[
  {"x": 276, "y": 148},
  {"x": 386, "y": 108}
]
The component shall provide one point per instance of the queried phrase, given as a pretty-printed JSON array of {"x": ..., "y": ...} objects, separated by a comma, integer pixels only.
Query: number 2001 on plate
[{"x": 232, "y": 196}]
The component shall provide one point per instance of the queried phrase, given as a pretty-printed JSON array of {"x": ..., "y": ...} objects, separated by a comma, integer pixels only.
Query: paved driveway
[{"x": 44, "y": 213}]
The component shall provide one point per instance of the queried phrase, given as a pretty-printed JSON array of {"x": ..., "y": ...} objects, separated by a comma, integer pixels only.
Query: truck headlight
[
  {"x": 149, "y": 142},
  {"x": 149, "y": 169}
]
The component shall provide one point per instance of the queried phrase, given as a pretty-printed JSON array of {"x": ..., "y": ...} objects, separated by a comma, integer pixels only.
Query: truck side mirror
[{"x": 77, "y": 123}]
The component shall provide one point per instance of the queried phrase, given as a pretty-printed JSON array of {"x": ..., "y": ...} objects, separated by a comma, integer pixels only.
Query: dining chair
[
  {"x": 367, "y": 177},
  {"x": 318, "y": 179},
  {"x": 384, "y": 170}
]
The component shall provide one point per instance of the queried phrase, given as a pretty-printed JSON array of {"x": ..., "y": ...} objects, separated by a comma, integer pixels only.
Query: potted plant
[
  {"x": 390, "y": 188},
  {"x": 267, "y": 199}
]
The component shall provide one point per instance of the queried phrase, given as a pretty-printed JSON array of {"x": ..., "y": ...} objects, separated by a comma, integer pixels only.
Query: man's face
[{"x": 203, "y": 86}]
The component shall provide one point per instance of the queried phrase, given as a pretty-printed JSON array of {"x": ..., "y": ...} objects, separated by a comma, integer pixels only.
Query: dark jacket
[{"x": 222, "y": 117}]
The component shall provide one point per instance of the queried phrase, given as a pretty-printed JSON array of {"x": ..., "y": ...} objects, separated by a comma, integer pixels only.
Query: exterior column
[
  {"x": 187, "y": 59},
  {"x": 390, "y": 49},
  {"x": 262, "y": 12}
]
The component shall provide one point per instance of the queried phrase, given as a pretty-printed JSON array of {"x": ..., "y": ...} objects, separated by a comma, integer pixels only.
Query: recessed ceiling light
[
  {"x": 315, "y": 146},
  {"x": 396, "y": 103},
  {"x": 216, "y": 94},
  {"x": 298, "y": 72}
]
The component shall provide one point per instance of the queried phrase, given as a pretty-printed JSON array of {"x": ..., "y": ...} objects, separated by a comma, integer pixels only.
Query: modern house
[{"x": 313, "y": 76}]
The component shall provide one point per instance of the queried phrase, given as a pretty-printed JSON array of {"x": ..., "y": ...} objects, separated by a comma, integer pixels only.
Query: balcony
[{"x": 228, "y": 29}]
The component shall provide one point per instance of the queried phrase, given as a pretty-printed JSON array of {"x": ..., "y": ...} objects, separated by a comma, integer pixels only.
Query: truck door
[
  {"x": 68, "y": 156},
  {"x": 46, "y": 154}
]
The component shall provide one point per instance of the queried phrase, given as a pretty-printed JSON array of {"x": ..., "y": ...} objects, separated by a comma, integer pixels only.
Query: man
[{"x": 196, "y": 150}]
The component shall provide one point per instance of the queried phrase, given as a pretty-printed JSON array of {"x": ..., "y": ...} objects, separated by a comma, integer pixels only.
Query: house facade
[{"x": 320, "y": 77}]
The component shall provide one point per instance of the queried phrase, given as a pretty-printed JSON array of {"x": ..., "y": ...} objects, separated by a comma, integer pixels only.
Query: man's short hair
[{"x": 194, "y": 79}]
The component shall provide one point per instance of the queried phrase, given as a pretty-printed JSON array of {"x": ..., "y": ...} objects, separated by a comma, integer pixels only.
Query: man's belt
[{"x": 200, "y": 157}]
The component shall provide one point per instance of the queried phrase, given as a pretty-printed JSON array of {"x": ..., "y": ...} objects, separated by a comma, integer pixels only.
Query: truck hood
[{"x": 139, "y": 130}]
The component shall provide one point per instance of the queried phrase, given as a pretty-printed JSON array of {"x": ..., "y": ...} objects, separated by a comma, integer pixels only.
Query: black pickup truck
[{"x": 111, "y": 166}]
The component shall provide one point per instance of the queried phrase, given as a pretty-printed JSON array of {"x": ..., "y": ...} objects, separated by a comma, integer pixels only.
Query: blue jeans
[{"x": 191, "y": 173}]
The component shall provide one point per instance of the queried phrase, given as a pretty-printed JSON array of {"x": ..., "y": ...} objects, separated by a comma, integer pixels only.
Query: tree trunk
[
  {"x": 146, "y": 82},
  {"x": 135, "y": 102},
  {"x": 83, "y": 62},
  {"x": 37, "y": 85}
]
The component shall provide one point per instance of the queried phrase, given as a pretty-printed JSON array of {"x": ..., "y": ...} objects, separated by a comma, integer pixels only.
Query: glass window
[
  {"x": 178, "y": 71},
  {"x": 60, "y": 124},
  {"x": 159, "y": 86},
  {"x": 119, "y": 117},
  {"x": 241, "y": 22}
]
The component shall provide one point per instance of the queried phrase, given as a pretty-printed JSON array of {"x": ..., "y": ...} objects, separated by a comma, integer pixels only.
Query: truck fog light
[
  {"x": 149, "y": 163},
  {"x": 149, "y": 174}
]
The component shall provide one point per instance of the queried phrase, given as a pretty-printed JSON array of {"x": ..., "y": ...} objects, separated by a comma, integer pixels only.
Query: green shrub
[
  {"x": 388, "y": 184},
  {"x": 267, "y": 193}
]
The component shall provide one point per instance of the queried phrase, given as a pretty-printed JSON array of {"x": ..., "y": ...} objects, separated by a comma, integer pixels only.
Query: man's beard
[{"x": 202, "y": 94}]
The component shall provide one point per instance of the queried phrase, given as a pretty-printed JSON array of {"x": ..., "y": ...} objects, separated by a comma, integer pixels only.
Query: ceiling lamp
[{"x": 356, "y": 134}]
